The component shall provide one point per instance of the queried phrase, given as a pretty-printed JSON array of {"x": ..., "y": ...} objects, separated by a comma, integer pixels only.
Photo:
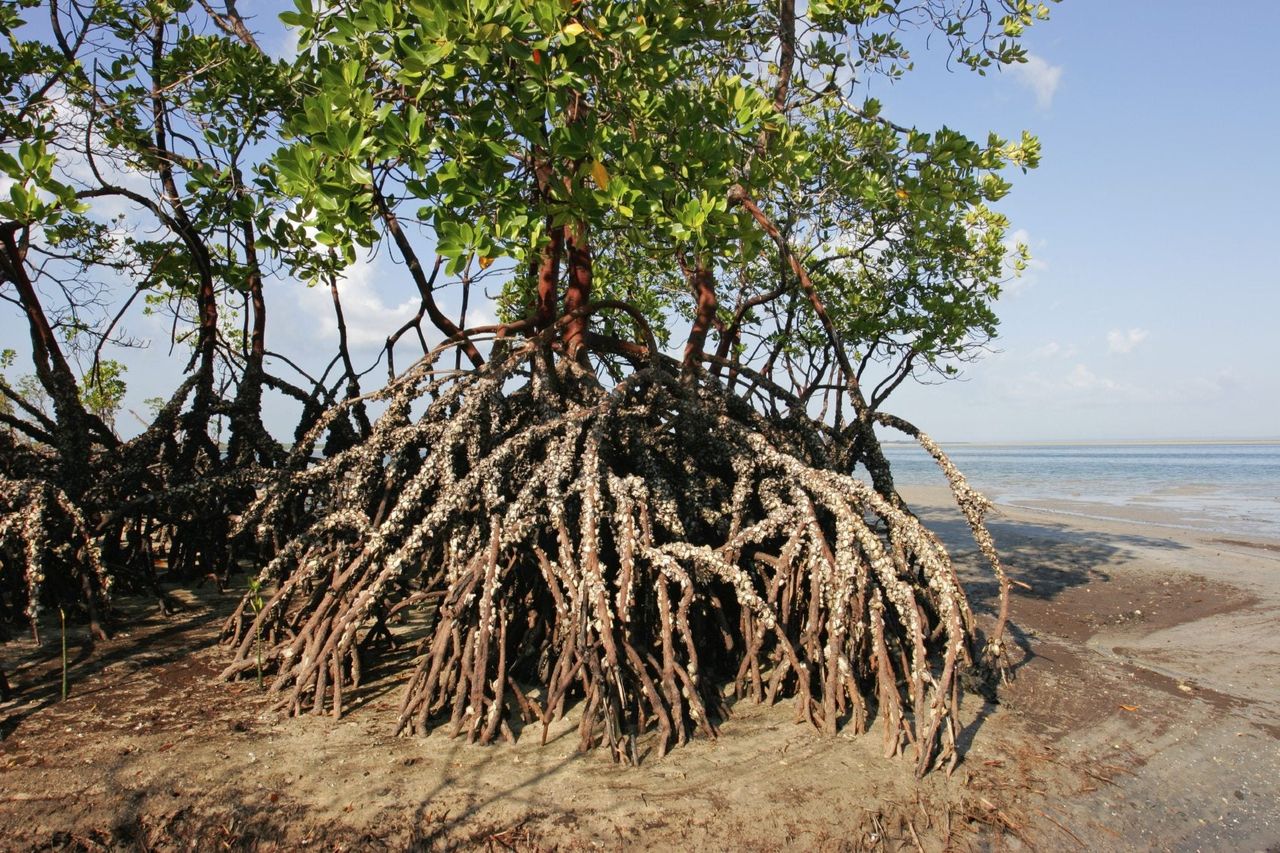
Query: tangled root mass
[{"x": 650, "y": 550}]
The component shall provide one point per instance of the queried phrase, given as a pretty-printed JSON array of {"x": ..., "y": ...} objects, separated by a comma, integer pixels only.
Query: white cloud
[
  {"x": 1212, "y": 387},
  {"x": 1040, "y": 77},
  {"x": 1017, "y": 282},
  {"x": 368, "y": 316},
  {"x": 1053, "y": 349},
  {"x": 1021, "y": 383},
  {"x": 1021, "y": 235},
  {"x": 75, "y": 168},
  {"x": 1120, "y": 341},
  {"x": 1083, "y": 379}
]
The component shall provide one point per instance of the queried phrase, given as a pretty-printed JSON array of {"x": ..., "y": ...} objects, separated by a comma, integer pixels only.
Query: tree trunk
[
  {"x": 578, "y": 293},
  {"x": 52, "y": 369},
  {"x": 549, "y": 277},
  {"x": 704, "y": 291}
]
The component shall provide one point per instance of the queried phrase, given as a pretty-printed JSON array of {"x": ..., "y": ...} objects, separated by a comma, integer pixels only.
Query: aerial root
[
  {"x": 974, "y": 506},
  {"x": 649, "y": 553},
  {"x": 33, "y": 514}
]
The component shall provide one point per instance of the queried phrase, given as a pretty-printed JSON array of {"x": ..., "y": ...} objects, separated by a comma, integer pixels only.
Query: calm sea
[{"x": 1227, "y": 488}]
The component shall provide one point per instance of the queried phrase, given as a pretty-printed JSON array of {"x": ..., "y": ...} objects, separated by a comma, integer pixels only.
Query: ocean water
[{"x": 1224, "y": 488}]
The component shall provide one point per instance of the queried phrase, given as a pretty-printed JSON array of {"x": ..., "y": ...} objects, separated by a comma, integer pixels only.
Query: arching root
[
  {"x": 46, "y": 545},
  {"x": 640, "y": 550}
]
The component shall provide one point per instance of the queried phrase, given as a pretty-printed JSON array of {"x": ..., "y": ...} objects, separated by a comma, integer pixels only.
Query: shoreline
[
  {"x": 1141, "y": 714},
  {"x": 1149, "y": 647},
  {"x": 1142, "y": 514},
  {"x": 1192, "y": 507},
  {"x": 1104, "y": 517}
]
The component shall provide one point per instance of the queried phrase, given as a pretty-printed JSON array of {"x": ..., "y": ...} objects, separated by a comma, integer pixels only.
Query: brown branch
[
  {"x": 891, "y": 382},
  {"x": 738, "y": 195},
  {"x": 344, "y": 352},
  {"x": 74, "y": 424},
  {"x": 704, "y": 292},
  {"x": 871, "y": 452},
  {"x": 786, "y": 53},
  {"x": 30, "y": 430},
  {"x": 734, "y": 327},
  {"x": 446, "y": 326},
  {"x": 231, "y": 23},
  {"x": 578, "y": 293},
  {"x": 549, "y": 277}
]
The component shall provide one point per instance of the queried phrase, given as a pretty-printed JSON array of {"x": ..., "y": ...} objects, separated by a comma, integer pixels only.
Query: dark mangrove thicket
[{"x": 649, "y": 485}]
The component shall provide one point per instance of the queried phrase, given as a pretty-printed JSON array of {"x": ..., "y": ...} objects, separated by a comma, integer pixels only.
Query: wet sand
[
  {"x": 1144, "y": 713},
  {"x": 1151, "y": 650}
]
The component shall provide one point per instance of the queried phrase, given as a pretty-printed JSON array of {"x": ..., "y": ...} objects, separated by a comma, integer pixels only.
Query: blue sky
[{"x": 1150, "y": 308}]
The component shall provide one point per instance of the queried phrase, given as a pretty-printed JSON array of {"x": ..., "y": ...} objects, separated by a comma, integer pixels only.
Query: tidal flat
[{"x": 1141, "y": 714}]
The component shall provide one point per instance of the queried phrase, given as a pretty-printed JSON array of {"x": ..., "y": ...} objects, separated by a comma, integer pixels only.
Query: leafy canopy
[{"x": 490, "y": 121}]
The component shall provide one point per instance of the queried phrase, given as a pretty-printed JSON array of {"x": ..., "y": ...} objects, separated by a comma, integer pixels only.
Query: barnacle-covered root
[
  {"x": 645, "y": 550},
  {"x": 47, "y": 548}
]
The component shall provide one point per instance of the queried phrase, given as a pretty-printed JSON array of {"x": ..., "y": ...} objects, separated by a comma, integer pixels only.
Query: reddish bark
[
  {"x": 578, "y": 293},
  {"x": 786, "y": 53},
  {"x": 258, "y": 336},
  {"x": 704, "y": 292},
  {"x": 549, "y": 278},
  {"x": 247, "y": 432}
]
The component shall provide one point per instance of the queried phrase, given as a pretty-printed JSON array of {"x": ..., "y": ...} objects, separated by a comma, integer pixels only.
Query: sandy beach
[{"x": 1144, "y": 713}]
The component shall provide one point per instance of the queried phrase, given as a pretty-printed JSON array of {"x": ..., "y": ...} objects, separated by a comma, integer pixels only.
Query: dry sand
[{"x": 1144, "y": 714}]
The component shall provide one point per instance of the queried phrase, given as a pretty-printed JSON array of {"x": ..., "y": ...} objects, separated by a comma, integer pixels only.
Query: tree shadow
[
  {"x": 151, "y": 641},
  {"x": 430, "y": 829},
  {"x": 1043, "y": 559}
]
